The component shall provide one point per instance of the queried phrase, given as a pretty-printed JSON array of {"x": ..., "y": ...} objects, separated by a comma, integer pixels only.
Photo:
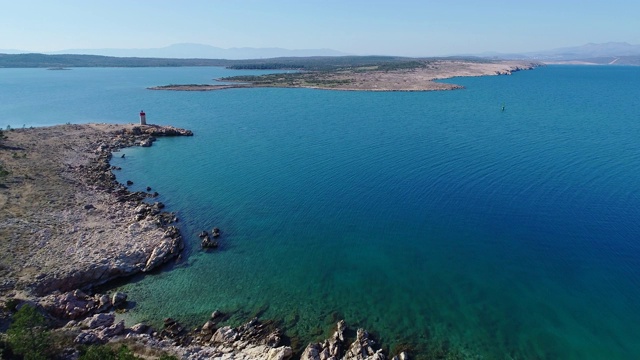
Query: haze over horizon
[{"x": 403, "y": 28}]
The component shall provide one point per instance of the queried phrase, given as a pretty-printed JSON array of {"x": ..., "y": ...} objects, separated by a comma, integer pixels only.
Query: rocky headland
[
  {"x": 67, "y": 225},
  {"x": 65, "y": 222}
]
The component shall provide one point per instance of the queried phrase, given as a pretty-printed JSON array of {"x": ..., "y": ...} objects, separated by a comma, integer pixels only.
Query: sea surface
[{"x": 434, "y": 219}]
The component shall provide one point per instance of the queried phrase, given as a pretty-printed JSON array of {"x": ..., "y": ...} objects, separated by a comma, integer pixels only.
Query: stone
[
  {"x": 129, "y": 182},
  {"x": 86, "y": 338},
  {"x": 99, "y": 320},
  {"x": 361, "y": 348},
  {"x": 216, "y": 314},
  {"x": 273, "y": 339},
  {"x": 209, "y": 326},
  {"x": 104, "y": 303},
  {"x": 140, "y": 328},
  {"x": 281, "y": 353},
  {"x": 340, "y": 328},
  {"x": 166, "y": 250},
  {"x": 403, "y": 356},
  {"x": 141, "y": 209},
  {"x": 146, "y": 142},
  {"x": 119, "y": 299},
  {"x": 311, "y": 352},
  {"x": 224, "y": 335},
  {"x": 208, "y": 243},
  {"x": 111, "y": 331},
  {"x": 70, "y": 305}
]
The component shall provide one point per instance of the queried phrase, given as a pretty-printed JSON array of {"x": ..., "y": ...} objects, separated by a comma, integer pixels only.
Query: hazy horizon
[
  {"x": 294, "y": 52},
  {"x": 403, "y": 28}
]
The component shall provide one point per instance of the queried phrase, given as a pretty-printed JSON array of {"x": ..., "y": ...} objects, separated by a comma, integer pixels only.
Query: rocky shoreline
[
  {"x": 67, "y": 225},
  {"x": 68, "y": 220},
  {"x": 92, "y": 321}
]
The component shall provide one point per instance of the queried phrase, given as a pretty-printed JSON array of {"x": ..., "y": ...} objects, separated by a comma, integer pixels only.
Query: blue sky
[{"x": 410, "y": 28}]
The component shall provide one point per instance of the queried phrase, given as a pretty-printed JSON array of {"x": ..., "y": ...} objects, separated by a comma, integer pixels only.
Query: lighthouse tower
[{"x": 143, "y": 118}]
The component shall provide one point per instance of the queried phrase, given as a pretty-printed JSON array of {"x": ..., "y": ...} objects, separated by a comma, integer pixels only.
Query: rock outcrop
[
  {"x": 101, "y": 230},
  {"x": 335, "y": 348}
]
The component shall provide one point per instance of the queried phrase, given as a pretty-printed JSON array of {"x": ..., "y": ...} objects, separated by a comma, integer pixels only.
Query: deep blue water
[{"x": 430, "y": 218}]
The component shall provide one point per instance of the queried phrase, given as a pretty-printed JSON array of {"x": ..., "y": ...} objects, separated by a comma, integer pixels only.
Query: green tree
[
  {"x": 125, "y": 354},
  {"x": 102, "y": 352},
  {"x": 98, "y": 352},
  {"x": 28, "y": 335}
]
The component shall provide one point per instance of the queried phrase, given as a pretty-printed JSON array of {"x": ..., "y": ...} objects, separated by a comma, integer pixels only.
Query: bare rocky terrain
[
  {"x": 65, "y": 223},
  {"x": 419, "y": 77}
]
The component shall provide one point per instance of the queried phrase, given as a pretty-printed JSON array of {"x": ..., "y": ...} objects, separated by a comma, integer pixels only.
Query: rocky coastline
[
  {"x": 67, "y": 225},
  {"x": 91, "y": 320},
  {"x": 68, "y": 221},
  {"x": 369, "y": 78}
]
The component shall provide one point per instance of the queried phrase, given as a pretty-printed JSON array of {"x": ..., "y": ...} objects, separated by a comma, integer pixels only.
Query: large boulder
[
  {"x": 99, "y": 320},
  {"x": 119, "y": 299},
  {"x": 224, "y": 335}
]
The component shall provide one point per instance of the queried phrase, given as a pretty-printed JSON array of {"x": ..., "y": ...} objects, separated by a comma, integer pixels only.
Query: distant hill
[
  {"x": 54, "y": 61},
  {"x": 195, "y": 51},
  {"x": 284, "y": 63}
]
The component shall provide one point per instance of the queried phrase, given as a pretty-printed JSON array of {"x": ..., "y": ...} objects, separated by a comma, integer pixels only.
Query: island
[{"x": 409, "y": 75}]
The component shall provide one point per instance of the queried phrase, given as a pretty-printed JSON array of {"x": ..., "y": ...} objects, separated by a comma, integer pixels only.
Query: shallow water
[{"x": 433, "y": 219}]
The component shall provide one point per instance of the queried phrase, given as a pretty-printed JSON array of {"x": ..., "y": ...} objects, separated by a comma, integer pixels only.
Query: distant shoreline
[{"x": 420, "y": 77}]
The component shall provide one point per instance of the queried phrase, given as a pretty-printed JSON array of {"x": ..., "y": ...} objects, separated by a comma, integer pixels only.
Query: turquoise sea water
[{"x": 433, "y": 219}]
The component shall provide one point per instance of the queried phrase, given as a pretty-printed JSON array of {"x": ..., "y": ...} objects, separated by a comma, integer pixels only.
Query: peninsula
[
  {"x": 67, "y": 225},
  {"x": 65, "y": 222},
  {"x": 414, "y": 75}
]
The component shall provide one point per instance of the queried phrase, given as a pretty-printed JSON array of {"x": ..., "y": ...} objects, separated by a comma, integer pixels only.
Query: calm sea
[{"x": 434, "y": 219}]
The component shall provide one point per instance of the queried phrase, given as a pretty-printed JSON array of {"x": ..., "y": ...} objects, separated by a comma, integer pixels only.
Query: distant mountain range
[
  {"x": 196, "y": 51},
  {"x": 619, "y": 53}
]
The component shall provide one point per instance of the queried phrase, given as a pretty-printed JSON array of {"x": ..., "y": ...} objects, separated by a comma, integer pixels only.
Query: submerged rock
[{"x": 208, "y": 243}]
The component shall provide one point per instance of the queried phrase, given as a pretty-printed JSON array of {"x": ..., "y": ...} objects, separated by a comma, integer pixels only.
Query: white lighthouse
[{"x": 143, "y": 118}]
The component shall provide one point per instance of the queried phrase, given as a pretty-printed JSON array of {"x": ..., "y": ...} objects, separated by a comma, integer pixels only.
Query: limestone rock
[
  {"x": 86, "y": 338},
  {"x": 167, "y": 249},
  {"x": 331, "y": 349},
  {"x": 111, "y": 331},
  {"x": 362, "y": 348},
  {"x": 119, "y": 299},
  {"x": 69, "y": 305},
  {"x": 99, "y": 320},
  {"x": 403, "y": 356},
  {"x": 209, "y": 326},
  {"x": 140, "y": 328},
  {"x": 224, "y": 335},
  {"x": 311, "y": 352}
]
